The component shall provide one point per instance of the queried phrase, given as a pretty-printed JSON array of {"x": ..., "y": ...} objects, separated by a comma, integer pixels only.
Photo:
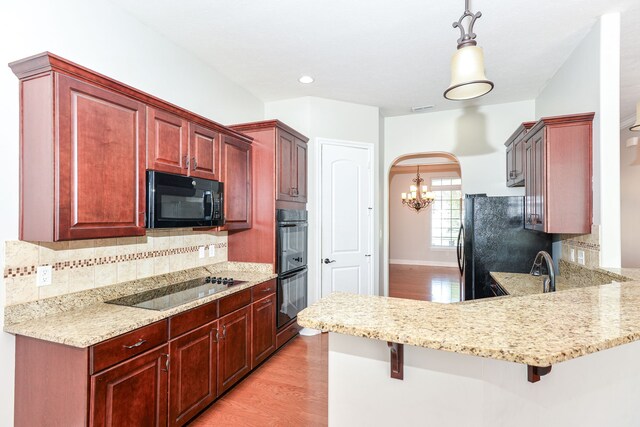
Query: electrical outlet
[
  {"x": 43, "y": 275},
  {"x": 201, "y": 251},
  {"x": 573, "y": 255},
  {"x": 580, "y": 257},
  {"x": 212, "y": 250}
]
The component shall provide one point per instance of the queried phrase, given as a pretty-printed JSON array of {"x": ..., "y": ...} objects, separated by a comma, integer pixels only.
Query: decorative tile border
[{"x": 89, "y": 262}]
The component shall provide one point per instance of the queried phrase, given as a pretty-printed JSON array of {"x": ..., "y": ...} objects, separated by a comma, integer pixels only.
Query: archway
[{"x": 423, "y": 260}]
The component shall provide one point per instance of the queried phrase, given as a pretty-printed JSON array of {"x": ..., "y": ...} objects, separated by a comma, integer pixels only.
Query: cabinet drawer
[
  {"x": 184, "y": 322},
  {"x": 263, "y": 289},
  {"x": 122, "y": 347},
  {"x": 234, "y": 302},
  {"x": 287, "y": 333}
]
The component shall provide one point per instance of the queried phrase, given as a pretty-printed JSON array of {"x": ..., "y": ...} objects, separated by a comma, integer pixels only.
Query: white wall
[
  {"x": 589, "y": 80},
  {"x": 630, "y": 199},
  {"x": 97, "y": 35},
  {"x": 475, "y": 135},
  {"x": 324, "y": 118},
  {"x": 410, "y": 231}
]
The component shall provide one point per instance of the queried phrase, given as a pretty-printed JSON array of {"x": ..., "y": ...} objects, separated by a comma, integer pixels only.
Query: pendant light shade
[
  {"x": 468, "y": 79},
  {"x": 636, "y": 125}
]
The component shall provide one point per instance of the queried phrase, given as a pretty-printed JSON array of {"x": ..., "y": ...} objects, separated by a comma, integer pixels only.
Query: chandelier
[
  {"x": 468, "y": 79},
  {"x": 418, "y": 197}
]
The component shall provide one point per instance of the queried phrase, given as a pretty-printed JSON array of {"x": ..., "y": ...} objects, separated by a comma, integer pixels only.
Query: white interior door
[{"x": 347, "y": 215}]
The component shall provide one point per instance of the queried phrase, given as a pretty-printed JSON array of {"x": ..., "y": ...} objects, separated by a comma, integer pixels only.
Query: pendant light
[
  {"x": 636, "y": 125},
  {"x": 468, "y": 79}
]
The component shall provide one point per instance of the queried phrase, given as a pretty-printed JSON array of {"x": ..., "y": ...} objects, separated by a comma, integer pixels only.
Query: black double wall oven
[{"x": 291, "y": 249}]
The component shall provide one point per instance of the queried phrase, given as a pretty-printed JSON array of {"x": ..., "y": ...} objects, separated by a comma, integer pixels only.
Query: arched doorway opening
[{"x": 423, "y": 261}]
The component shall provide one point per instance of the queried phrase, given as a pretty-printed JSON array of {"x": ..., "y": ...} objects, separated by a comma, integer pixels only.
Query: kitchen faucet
[{"x": 549, "y": 284}]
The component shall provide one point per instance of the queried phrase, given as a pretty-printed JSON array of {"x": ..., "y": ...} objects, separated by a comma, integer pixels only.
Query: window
[{"x": 445, "y": 212}]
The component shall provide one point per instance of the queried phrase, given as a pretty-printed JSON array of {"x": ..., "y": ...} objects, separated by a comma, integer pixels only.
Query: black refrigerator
[{"x": 493, "y": 238}]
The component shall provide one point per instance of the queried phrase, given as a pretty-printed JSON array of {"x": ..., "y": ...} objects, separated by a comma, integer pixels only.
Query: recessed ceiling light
[{"x": 306, "y": 79}]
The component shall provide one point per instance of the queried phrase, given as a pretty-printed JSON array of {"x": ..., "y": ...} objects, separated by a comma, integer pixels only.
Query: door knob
[{"x": 329, "y": 261}]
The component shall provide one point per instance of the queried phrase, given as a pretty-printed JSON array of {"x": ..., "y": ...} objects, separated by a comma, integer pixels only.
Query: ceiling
[{"x": 394, "y": 55}]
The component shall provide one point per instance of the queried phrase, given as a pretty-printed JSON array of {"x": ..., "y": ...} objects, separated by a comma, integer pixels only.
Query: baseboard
[{"x": 420, "y": 262}]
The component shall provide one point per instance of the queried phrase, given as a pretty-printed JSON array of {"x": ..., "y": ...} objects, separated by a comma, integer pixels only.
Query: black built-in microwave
[{"x": 182, "y": 201}]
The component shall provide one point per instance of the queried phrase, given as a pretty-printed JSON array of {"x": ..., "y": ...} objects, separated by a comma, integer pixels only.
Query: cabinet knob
[{"x": 186, "y": 162}]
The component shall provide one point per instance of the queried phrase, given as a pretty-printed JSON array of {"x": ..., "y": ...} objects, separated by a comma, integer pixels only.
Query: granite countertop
[
  {"x": 538, "y": 330},
  {"x": 92, "y": 323},
  {"x": 521, "y": 284}
]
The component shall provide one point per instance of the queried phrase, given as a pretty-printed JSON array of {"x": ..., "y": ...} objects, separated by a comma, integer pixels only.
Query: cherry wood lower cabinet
[
  {"x": 161, "y": 374},
  {"x": 234, "y": 348},
  {"x": 194, "y": 373},
  {"x": 133, "y": 393},
  {"x": 264, "y": 329}
]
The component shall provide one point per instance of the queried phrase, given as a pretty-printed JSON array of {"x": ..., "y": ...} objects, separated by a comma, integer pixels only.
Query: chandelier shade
[{"x": 636, "y": 125}]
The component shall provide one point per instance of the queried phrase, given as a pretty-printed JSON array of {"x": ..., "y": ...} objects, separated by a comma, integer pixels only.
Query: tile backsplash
[
  {"x": 589, "y": 243},
  {"x": 84, "y": 264}
]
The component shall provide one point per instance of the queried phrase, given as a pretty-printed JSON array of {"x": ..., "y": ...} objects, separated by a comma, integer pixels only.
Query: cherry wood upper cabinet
[
  {"x": 234, "y": 348},
  {"x": 516, "y": 155},
  {"x": 285, "y": 147},
  {"x": 301, "y": 171},
  {"x": 84, "y": 142},
  {"x": 558, "y": 172},
  {"x": 167, "y": 142},
  {"x": 204, "y": 152},
  {"x": 291, "y": 175},
  {"x": 82, "y": 160},
  {"x": 133, "y": 393},
  {"x": 236, "y": 167},
  {"x": 193, "y": 373}
]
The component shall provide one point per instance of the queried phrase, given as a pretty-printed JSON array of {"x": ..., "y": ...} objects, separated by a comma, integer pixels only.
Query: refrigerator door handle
[{"x": 459, "y": 249}]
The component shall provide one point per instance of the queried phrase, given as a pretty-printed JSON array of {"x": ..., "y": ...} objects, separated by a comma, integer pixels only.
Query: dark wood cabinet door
[
  {"x": 263, "y": 329},
  {"x": 204, "y": 152},
  {"x": 167, "y": 142},
  {"x": 133, "y": 393},
  {"x": 518, "y": 162},
  {"x": 285, "y": 155},
  {"x": 300, "y": 171},
  {"x": 540, "y": 181},
  {"x": 234, "y": 348},
  {"x": 101, "y": 142},
  {"x": 510, "y": 164},
  {"x": 193, "y": 378},
  {"x": 237, "y": 177},
  {"x": 529, "y": 189}
]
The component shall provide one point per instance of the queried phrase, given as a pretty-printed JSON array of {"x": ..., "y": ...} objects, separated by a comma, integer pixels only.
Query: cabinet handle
[
  {"x": 224, "y": 331},
  {"x": 138, "y": 344},
  {"x": 186, "y": 162},
  {"x": 267, "y": 290},
  {"x": 166, "y": 364},
  {"x": 266, "y": 302},
  {"x": 194, "y": 163},
  {"x": 217, "y": 335}
]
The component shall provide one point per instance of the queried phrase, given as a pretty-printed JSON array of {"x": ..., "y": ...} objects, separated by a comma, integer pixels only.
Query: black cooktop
[{"x": 177, "y": 294}]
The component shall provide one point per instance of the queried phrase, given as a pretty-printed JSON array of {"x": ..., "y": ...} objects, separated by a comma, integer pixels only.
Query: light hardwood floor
[
  {"x": 289, "y": 389},
  {"x": 441, "y": 284}
]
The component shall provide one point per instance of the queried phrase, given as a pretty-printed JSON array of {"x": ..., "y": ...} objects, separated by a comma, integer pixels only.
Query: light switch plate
[
  {"x": 212, "y": 250},
  {"x": 201, "y": 251},
  {"x": 581, "y": 257},
  {"x": 43, "y": 275},
  {"x": 573, "y": 255}
]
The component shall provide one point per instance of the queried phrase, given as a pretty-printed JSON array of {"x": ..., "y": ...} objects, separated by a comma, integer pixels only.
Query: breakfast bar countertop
[
  {"x": 95, "y": 321},
  {"x": 538, "y": 330}
]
